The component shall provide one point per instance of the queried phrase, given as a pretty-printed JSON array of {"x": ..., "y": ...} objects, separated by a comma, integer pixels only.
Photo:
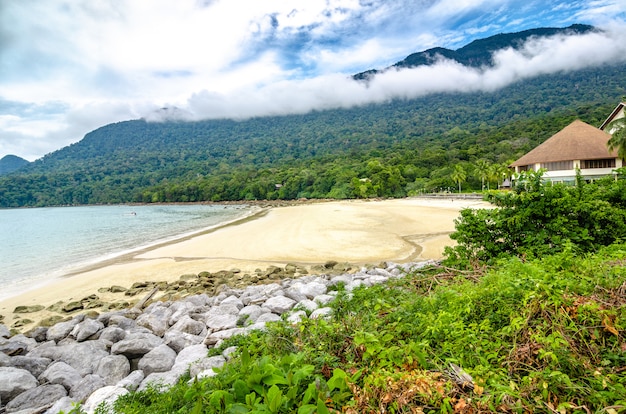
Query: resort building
[{"x": 577, "y": 146}]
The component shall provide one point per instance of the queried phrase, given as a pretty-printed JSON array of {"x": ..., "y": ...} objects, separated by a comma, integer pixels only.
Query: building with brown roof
[{"x": 577, "y": 146}]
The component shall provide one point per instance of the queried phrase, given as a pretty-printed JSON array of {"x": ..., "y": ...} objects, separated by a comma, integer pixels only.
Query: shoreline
[{"x": 358, "y": 232}]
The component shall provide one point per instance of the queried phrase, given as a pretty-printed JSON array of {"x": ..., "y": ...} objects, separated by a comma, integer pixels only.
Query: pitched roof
[
  {"x": 619, "y": 110},
  {"x": 577, "y": 141}
]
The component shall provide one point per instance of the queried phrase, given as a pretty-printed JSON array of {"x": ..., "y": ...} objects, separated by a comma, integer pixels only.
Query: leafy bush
[{"x": 538, "y": 219}]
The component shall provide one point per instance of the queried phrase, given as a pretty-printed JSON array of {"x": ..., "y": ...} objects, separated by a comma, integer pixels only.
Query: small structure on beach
[{"x": 578, "y": 146}]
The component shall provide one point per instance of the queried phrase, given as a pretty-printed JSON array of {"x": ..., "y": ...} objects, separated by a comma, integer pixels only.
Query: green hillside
[
  {"x": 11, "y": 163},
  {"x": 385, "y": 150}
]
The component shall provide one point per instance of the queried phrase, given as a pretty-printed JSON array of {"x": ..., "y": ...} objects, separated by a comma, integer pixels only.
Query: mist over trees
[{"x": 396, "y": 149}]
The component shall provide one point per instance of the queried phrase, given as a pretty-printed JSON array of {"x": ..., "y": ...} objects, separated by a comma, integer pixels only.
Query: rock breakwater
[{"x": 94, "y": 358}]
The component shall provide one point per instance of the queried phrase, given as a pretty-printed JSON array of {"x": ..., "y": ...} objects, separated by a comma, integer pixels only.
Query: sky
[{"x": 68, "y": 67}]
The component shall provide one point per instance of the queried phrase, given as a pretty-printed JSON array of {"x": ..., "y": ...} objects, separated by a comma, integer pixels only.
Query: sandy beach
[{"x": 357, "y": 231}]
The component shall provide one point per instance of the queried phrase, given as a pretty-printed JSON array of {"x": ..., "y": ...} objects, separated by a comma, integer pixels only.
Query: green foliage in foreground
[
  {"x": 539, "y": 218},
  {"x": 529, "y": 336}
]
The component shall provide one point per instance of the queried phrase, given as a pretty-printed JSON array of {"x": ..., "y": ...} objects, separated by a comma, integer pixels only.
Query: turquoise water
[{"x": 39, "y": 244}]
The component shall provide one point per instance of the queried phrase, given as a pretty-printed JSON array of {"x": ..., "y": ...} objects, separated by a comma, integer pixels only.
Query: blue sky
[{"x": 70, "y": 66}]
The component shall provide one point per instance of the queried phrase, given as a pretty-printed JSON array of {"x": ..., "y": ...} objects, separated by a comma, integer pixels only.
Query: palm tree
[
  {"x": 481, "y": 168},
  {"x": 502, "y": 172},
  {"x": 618, "y": 137},
  {"x": 459, "y": 175}
]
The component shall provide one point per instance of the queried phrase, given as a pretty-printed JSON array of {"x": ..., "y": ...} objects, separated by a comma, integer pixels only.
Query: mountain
[
  {"x": 394, "y": 149},
  {"x": 479, "y": 52},
  {"x": 10, "y": 163}
]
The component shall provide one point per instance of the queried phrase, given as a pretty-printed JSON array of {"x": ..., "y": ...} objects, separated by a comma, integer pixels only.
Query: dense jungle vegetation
[
  {"x": 395, "y": 149},
  {"x": 538, "y": 328}
]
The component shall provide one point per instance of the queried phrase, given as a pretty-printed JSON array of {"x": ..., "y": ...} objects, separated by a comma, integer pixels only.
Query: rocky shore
[{"x": 93, "y": 357}]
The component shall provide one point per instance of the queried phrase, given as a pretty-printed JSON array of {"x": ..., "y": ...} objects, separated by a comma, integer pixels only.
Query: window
[
  {"x": 558, "y": 165},
  {"x": 525, "y": 167},
  {"x": 605, "y": 163}
]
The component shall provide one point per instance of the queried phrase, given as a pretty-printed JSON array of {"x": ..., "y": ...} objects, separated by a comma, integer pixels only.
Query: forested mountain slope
[
  {"x": 10, "y": 163},
  {"x": 386, "y": 150}
]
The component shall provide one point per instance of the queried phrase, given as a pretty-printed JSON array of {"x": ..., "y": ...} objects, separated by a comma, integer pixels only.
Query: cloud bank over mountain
[{"x": 69, "y": 67}]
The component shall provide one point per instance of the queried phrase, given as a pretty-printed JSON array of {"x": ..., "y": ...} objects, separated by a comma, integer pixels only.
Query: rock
[
  {"x": 74, "y": 354},
  {"x": 72, "y": 306},
  {"x": 132, "y": 381},
  {"x": 112, "y": 334},
  {"x": 321, "y": 313},
  {"x": 222, "y": 317},
  {"x": 121, "y": 322},
  {"x": 183, "y": 360},
  {"x": 227, "y": 353},
  {"x": 232, "y": 300},
  {"x": 160, "y": 359},
  {"x": 136, "y": 345},
  {"x": 155, "y": 319},
  {"x": 268, "y": 317},
  {"x": 21, "y": 323},
  {"x": 85, "y": 329},
  {"x": 181, "y": 340},
  {"x": 12, "y": 348},
  {"x": 257, "y": 294},
  {"x": 311, "y": 290},
  {"x": 14, "y": 381},
  {"x": 197, "y": 300},
  {"x": 112, "y": 368},
  {"x": 86, "y": 387},
  {"x": 28, "y": 309},
  {"x": 5, "y": 360},
  {"x": 216, "y": 337},
  {"x": 36, "y": 399},
  {"x": 4, "y": 332},
  {"x": 179, "y": 309},
  {"x": 206, "y": 364},
  {"x": 117, "y": 289},
  {"x": 297, "y": 317},
  {"x": 188, "y": 325},
  {"x": 279, "y": 304},
  {"x": 50, "y": 321},
  {"x": 307, "y": 305},
  {"x": 63, "y": 405},
  {"x": 295, "y": 294},
  {"x": 344, "y": 279},
  {"x": 323, "y": 299},
  {"x": 249, "y": 314},
  {"x": 33, "y": 365},
  {"x": 106, "y": 396},
  {"x": 62, "y": 329},
  {"x": 39, "y": 334},
  {"x": 61, "y": 373}
]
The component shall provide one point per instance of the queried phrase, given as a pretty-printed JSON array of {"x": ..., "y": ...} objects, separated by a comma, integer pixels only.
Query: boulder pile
[{"x": 94, "y": 358}]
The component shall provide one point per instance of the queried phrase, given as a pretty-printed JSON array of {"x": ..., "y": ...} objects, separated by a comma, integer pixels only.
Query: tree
[
  {"x": 459, "y": 175},
  {"x": 502, "y": 172},
  {"x": 481, "y": 168},
  {"x": 618, "y": 137}
]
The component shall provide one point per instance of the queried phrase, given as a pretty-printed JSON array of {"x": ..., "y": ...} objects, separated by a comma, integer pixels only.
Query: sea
[{"x": 38, "y": 245}]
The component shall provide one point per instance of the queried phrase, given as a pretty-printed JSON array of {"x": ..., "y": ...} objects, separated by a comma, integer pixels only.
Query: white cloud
[{"x": 547, "y": 55}]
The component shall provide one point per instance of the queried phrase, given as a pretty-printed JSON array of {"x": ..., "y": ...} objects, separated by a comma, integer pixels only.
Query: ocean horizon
[{"x": 39, "y": 245}]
